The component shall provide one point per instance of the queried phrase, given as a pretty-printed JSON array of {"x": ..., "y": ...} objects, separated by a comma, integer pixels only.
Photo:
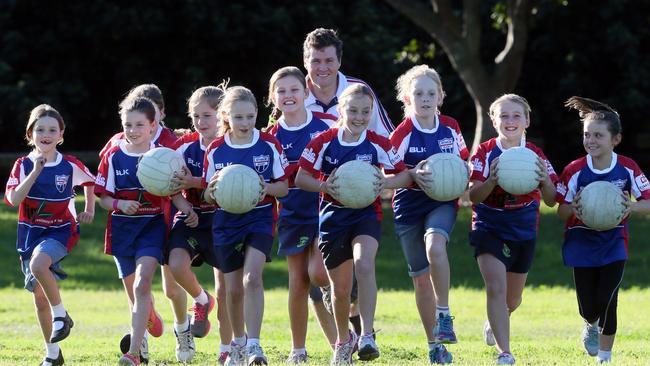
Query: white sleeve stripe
[
  {"x": 382, "y": 157},
  {"x": 404, "y": 146},
  {"x": 572, "y": 187},
  {"x": 110, "y": 179},
  {"x": 278, "y": 170},
  {"x": 181, "y": 149},
  {"x": 318, "y": 164},
  {"x": 79, "y": 176},
  {"x": 209, "y": 172},
  {"x": 457, "y": 145},
  {"x": 636, "y": 191}
]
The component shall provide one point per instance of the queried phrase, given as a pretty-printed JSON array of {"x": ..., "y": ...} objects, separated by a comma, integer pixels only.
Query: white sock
[
  {"x": 52, "y": 350},
  {"x": 432, "y": 345},
  {"x": 444, "y": 310},
  {"x": 182, "y": 327},
  {"x": 241, "y": 341},
  {"x": 224, "y": 348},
  {"x": 299, "y": 351},
  {"x": 202, "y": 298},
  {"x": 604, "y": 355},
  {"x": 58, "y": 311},
  {"x": 252, "y": 341}
]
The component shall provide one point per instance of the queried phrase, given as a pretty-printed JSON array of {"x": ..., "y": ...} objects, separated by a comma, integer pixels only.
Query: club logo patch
[
  {"x": 261, "y": 163},
  {"x": 61, "y": 181},
  {"x": 620, "y": 183},
  {"x": 365, "y": 157},
  {"x": 446, "y": 145},
  {"x": 309, "y": 155}
]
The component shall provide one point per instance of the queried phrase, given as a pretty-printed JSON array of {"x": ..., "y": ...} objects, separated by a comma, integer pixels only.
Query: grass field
[{"x": 545, "y": 329}]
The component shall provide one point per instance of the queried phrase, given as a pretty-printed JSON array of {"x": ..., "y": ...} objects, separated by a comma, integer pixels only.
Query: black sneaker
[
  {"x": 64, "y": 332},
  {"x": 125, "y": 344},
  {"x": 54, "y": 361}
]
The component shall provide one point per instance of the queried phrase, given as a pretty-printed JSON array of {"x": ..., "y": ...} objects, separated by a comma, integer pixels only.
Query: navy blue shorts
[
  {"x": 295, "y": 238},
  {"x": 337, "y": 247},
  {"x": 230, "y": 257},
  {"x": 196, "y": 241},
  {"x": 517, "y": 256}
]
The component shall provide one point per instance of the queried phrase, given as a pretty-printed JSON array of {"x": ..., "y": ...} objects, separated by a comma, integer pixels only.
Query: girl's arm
[
  {"x": 565, "y": 211},
  {"x": 86, "y": 217},
  {"x": 17, "y": 195},
  {"x": 186, "y": 180},
  {"x": 109, "y": 203},
  {"x": 546, "y": 184},
  {"x": 307, "y": 182},
  {"x": 185, "y": 207},
  {"x": 276, "y": 189},
  {"x": 641, "y": 206},
  {"x": 479, "y": 191},
  {"x": 400, "y": 180}
]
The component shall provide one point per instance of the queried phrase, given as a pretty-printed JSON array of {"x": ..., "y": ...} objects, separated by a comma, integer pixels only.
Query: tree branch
[
  {"x": 472, "y": 25},
  {"x": 508, "y": 62}
]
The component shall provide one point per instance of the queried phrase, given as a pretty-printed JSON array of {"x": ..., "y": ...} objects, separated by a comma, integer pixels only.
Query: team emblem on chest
[
  {"x": 61, "y": 181},
  {"x": 261, "y": 163},
  {"x": 365, "y": 157},
  {"x": 446, "y": 145}
]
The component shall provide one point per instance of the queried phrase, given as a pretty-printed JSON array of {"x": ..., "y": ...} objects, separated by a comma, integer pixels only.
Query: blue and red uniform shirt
[
  {"x": 264, "y": 155},
  {"x": 164, "y": 136},
  {"x": 298, "y": 207},
  {"x": 415, "y": 144},
  {"x": 116, "y": 177},
  {"x": 328, "y": 151},
  {"x": 586, "y": 247},
  {"x": 510, "y": 217},
  {"x": 48, "y": 210}
]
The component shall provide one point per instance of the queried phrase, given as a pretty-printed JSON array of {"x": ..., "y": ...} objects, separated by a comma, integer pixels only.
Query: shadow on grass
[{"x": 89, "y": 268}]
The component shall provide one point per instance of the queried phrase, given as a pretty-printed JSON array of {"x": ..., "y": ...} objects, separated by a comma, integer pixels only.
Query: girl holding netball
[
  {"x": 598, "y": 257},
  {"x": 242, "y": 242},
  {"x": 504, "y": 226},
  {"x": 346, "y": 234}
]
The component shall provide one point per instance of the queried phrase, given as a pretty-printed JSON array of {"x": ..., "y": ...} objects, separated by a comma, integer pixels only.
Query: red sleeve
[
  {"x": 168, "y": 138},
  {"x": 112, "y": 142},
  {"x": 104, "y": 183},
  {"x": 14, "y": 178},
  {"x": 549, "y": 166},
  {"x": 479, "y": 165}
]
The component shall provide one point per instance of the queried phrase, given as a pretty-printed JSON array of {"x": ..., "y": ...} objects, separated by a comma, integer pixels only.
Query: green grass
[{"x": 545, "y": 329}]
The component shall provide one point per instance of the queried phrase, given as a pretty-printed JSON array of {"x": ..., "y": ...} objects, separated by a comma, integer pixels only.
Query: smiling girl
[
  {"x": 41, "y": 184},
  {"x": 504, "y": 226},
  {"x": 598, "y": 257}
]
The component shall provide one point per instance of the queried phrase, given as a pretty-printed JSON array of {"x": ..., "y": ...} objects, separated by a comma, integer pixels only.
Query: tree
[{"x": 460, "y": 33}]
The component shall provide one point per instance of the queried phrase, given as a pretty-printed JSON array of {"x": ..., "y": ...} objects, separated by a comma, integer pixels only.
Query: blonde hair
[
  {"x": 209, "y": 94},
  {"x": 510, "y": 98},
  {"x": 43, "y": 110},
  {"x": 351, "y": 91},
  {"x": 405, "y": 80},
  {"x": 231, "y": 95},
  {"x": 279, "y": 74}
]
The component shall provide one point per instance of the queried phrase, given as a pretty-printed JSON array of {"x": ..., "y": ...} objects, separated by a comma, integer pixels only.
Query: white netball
[
  {"x": 238, "y": 189},
  {"x": 356, "y": 184},
  {"x": 449, "y": 176},
  {"x": 602, "y": 205},
  {"x": 517, "y": 170},
  {"x": 156, "y": 168}
]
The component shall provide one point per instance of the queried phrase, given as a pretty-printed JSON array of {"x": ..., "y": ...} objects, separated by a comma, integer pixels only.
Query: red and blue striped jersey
[{"x": 48, "y": 210}]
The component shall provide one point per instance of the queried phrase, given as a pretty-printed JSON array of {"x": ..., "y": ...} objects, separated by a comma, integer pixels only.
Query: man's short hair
[{"x": 320, "y": 38}]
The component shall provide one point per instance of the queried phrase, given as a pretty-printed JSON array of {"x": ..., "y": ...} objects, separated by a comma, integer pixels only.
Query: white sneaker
[
  {"x": 603, "y": 360},
  {"x": 256, "y": 355},
  {"x": 368, "y": 349},
  {"x": 505, "y": 358},
  {"x": 343, "y": 351},
  {"x": 185, "y": 347},
  {"x": 238, "y": 355},
  {"x": 297, "y": 358},
  {"x": 590, "y": 339},
  {"x": 144, "y": 350},
  {"x": 488, "y": 336}
]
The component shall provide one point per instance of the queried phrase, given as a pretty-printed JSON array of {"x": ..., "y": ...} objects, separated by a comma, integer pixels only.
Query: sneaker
[
  {"x": 125, "y": 344},
  {"x": 200, "y": 324},
  {"x": 488, "y": 336},
  {"x": 444, "y": 330},
  {"x": 223, "y": 356},
  {"x": 184, "y": 346},
  {"x": 155, "y": 325},
  {"x": 590, "y": 339},
  {"x": 64, "y": 332},
  {"x": 297, "y": 358},
  {"x": 59, "y": 361},
  {"x": 256, "y": 355},
  {"x": 603, "y": 359},
  {"x": 327, "y": 299},
  {"x": 238, "y": 355},
  {"x": 128, "y": 359},
  {"x": 343, "y": 351},
  {"x": 440, "y": 355},
  {"x": 505, "y": 358},
  {"x": 368, "y": 349}
]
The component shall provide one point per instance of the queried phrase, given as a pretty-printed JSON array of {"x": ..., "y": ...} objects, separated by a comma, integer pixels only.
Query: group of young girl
[{"x": 326, "y": 244}]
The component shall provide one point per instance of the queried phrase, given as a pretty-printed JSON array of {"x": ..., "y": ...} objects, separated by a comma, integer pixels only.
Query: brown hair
[
  {"x": 349, "y": 92},
  {"x": 138, "y": 104},
  {"x": 150, "y": 91},
  {"x": 43, "y": 110},
  {"x": 231, "y": 95},
  {"x": 279, "y": 74},
  {"x": 320, "y": 38},
  {"x": 593, "y": 110}
]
